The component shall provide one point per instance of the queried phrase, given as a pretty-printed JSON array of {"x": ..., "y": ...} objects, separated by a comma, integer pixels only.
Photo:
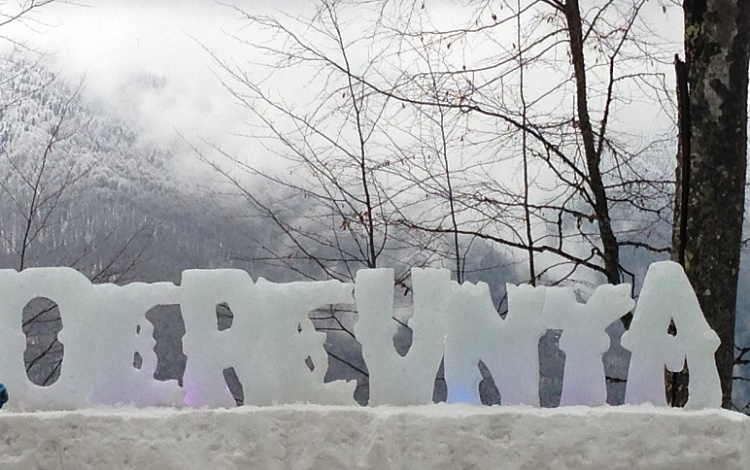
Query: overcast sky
[{"x": 143, "y": 61}]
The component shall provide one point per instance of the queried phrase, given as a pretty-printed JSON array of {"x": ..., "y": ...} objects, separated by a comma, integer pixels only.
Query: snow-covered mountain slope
[{"x": 79, "y": 188}]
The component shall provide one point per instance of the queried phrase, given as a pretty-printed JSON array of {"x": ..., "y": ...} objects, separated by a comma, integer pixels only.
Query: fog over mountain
[{"x": 88, "y": 190}]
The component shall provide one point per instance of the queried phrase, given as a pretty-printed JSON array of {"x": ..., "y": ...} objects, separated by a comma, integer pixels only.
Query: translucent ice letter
[
  {"x": 397, "y": 380},
  {"x": 667, "y": 295},
  {"x": 123, "y": 310},
  {"x": 12, "y": 369},
  {"x": 584, "y": 339},
  {"x": 514, "y": 363},
  {"x": 72, "y": 292},
  {"x": 509, "y": 348},
  {"x": 208, "y": 350},
  {"x": 277, "y": 372}
]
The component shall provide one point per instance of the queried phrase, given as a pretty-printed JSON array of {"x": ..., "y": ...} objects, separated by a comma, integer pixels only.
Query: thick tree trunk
[{"x": 717, "y": 45}]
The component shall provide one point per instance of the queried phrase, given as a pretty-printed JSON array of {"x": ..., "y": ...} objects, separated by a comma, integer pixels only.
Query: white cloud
[{"x": 143, "y": 61}]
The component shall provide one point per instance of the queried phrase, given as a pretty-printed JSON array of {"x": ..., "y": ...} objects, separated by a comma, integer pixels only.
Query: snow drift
[{"x": 423, "y": 437}]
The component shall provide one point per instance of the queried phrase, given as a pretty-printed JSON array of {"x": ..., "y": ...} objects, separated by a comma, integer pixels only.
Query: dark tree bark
[
  {"x": 592, "y": 148},
  {"x": 677, "y": 382},
  {"x": 682, "y": 175},
  {"x": 709, "y": 218}
]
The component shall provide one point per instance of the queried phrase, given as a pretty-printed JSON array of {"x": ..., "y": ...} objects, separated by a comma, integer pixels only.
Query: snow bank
[{"x": 424, "y": 437}]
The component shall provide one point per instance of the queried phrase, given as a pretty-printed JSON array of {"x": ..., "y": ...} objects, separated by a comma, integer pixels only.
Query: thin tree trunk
[
  {"x": 677, "y": 382},
  {"x": 682, "y": 173},
  {"x": 610, "y": 247},
  {"x": 524, "y": 150}
]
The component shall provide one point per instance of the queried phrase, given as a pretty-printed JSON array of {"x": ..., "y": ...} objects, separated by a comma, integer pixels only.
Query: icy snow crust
[{"x": 422, "y": 437}]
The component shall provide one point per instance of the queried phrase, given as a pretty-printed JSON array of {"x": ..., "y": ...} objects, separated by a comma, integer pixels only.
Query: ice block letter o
[{"x": 72, "y": 292}]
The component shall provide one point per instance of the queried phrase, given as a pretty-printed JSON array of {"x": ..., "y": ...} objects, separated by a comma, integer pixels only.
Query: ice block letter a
[{"x": 667, "y": 296}]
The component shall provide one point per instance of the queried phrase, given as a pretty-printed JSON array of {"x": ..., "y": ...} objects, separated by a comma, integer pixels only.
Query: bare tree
[
  {"x": 37, "y": 187},
  {"x": 329, "y": 197},
  {"x": 588, "y": 165},
  {"x": 587, "y": 169},
  {"x": 22, "y": 12},
  {"x": 517, "y": 139}
]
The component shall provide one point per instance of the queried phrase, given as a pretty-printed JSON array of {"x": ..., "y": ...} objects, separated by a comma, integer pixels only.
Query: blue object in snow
[{"x": 3, "y": 395}]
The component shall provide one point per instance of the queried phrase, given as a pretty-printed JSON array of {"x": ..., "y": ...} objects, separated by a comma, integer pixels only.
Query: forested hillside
[{"x": 80, "y": 189}]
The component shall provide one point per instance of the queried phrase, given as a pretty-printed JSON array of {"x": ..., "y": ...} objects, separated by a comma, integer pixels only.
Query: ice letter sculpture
[
  {"x": 276, "y": 372},
  {"x": 210, "y": 351},
  {"x": 396, "y": 380},
  {"x": 279, "y": 357},
  {"x": 73, "y": 294},
  {"x": 270, "y": 338},
  {"x": 584, "y": 339},
  {"x": 100, "y": 335},
  {"x": 509, "y": 348},
  {"x": 667, "y": 296},
  {"x": 125, "y": 331}
]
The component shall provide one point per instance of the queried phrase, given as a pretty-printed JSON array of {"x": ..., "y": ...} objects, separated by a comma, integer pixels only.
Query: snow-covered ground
[{"x": 424, "y": 437}]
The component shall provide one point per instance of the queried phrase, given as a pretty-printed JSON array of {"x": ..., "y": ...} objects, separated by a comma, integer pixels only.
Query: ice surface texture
[{"x": 272, "y": 340}]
